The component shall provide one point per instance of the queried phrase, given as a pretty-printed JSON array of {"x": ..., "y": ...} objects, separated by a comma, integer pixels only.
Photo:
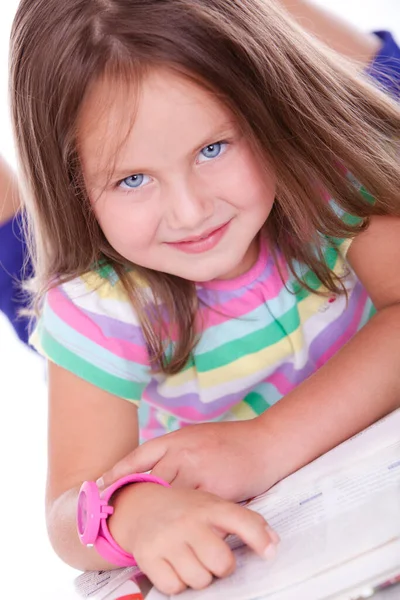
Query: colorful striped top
[{"x": 260, "y": 338}]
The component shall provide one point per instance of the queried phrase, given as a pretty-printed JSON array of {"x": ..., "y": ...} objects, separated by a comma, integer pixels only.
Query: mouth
[
  {"x": 203, "y": 242},
  {"x": 202, "y": 236}
]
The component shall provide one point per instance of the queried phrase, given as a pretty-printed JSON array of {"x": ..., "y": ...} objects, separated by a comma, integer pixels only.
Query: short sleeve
[
  {"x": 89, "y": 327},
  {"x": 342, "y": 245}
]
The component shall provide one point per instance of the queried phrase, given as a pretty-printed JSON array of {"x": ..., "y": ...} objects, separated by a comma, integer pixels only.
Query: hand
[
  {"x": 176, "y": 536},
  {"x": 226, "y": 459}
]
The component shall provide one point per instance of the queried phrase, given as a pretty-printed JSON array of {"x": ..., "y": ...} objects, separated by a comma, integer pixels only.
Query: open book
[{"x": 339, "y": 522}]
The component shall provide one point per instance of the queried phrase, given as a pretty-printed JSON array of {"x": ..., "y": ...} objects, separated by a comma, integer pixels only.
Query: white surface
[{"x": 22, "y": 389}]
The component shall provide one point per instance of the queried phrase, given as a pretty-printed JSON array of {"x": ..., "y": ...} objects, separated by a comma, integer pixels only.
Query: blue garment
[
  {"x": 14, "y": 268},
  {"x": 385, "y": 68}
]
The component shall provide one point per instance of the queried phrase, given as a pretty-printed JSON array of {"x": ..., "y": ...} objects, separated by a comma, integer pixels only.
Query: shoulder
[
  {"x": 97, "y": 294},
  {"x": 375, "y": 257},
  {"x": 93, "y": 311},
  {"x": 88, "y": 326}
]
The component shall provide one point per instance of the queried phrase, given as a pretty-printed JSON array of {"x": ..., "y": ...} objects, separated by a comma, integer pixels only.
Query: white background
[{"x": 22, "y": 382}]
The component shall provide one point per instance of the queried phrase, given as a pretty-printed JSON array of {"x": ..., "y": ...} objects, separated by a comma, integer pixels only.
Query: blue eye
[
  {"x": 133, "y": 182},
  {"x": 212, "y": 151}
]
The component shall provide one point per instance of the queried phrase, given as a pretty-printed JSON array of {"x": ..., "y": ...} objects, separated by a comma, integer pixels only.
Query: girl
[
  {"x": 378, "y": 48},
  {"x": 180, "y": 160}
]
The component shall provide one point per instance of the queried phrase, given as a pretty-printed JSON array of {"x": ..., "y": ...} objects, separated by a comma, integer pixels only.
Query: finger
[
  {"x": 142, "y": 459},
  {"x": 190, "y": 569},
  {"x": 162, "y": 574},
  {"x": 165, "y": 469},
  {"x": 184, "y": 478},
  {"x": 248, "y": 525},
  {"x": 213, "y": 552}
]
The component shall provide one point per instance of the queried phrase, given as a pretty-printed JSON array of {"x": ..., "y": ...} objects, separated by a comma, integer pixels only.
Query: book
[
  {"x": 119, "y": 584},
  {"x": 339, "y": 523}
]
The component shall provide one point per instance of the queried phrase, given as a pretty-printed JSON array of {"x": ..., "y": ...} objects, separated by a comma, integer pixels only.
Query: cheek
[
  {"x": 125, "y": 225},
  {"x": 250, "y": 186}
]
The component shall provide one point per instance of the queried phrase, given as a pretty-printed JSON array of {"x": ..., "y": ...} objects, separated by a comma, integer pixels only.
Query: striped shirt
[{"x": 261, "y": 336}]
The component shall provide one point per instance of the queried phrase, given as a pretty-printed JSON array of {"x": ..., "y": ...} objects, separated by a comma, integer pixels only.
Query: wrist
[
  {"x": 267, "y": 437},
  {"x": 94, "y": 510},
  {"x": 128, "y": 503}
]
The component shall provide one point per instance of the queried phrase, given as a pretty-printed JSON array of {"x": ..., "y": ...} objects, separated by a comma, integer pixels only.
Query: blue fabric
[
  {"x": 385, "y": 68},
  {"x": 14, "y": 268}
]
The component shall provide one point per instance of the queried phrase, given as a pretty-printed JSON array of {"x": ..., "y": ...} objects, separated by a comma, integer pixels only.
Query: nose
[{"x": 187, "y": 206}]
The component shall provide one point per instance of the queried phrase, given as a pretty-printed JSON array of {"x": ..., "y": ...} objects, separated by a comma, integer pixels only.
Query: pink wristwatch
[{"x": 92, "y": 514}]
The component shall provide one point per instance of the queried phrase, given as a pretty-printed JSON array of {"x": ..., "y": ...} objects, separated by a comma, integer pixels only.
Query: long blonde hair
[{"x": 310, "y": 111}]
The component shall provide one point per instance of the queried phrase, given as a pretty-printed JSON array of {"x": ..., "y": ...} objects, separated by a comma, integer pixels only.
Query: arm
[
  {"x": 356, "y": 387},
  {"x": 176, "y": 536},
  {"x": 9, "y": 198},
  {"x": 334, "y": 31},
  {"x": 89, "y": 429},
  {"x": 361, "y": 383},
  {"x": 376, "y": 52}
]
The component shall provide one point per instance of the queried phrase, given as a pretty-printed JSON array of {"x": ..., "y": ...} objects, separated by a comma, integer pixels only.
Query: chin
[{"x": 206, "y": 274}]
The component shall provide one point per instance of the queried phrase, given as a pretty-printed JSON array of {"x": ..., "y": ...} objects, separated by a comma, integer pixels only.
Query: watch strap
[{"x": 105, "y": 544}]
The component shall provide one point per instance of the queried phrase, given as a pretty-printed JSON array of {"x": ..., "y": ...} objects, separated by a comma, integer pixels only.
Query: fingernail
[
  {"x": 273, "y": 535},
  {"x": 270, "y": 552},
  {"x": 100, "y": 483}
]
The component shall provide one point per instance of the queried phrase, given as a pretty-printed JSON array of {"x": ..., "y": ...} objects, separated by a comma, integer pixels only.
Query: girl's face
[{"x": 174, "y": 184}]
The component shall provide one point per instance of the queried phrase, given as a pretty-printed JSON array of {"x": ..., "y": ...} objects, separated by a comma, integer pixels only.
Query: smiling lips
[{"x": 202, "y": 243}]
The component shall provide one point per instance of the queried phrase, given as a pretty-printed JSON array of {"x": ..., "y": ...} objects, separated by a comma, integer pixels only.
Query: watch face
[
  {"x": 88, "y": 513},
  {"x": 82, "y": 512}
]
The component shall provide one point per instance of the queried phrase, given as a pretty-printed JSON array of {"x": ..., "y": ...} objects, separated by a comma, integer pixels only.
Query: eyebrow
[{"x": 224, "y": 130}]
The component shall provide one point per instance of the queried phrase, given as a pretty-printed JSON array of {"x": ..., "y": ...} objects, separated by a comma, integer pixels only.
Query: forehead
[{"x": 124, "y": 116}]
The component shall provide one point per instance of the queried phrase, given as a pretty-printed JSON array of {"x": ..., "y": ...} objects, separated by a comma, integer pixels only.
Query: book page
[
  {"x": 299, "y": 508},
  {"x": 343, "y": 516},
  {"x": 99, "y": 585},
  {"x": 344, "y": 582},
  {"x": 381, "y": 434}
]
